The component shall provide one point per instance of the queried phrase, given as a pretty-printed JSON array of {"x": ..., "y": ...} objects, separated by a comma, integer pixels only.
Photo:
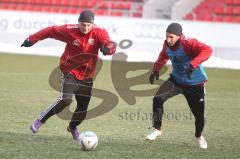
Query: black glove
[
  {"x": 27, "y": 43},
  {"x": 108, "y": 48},
  {"x": 154, "y": 74},
  {"x": 104, "y": 50},
  {"x": 189, "y": 71}
]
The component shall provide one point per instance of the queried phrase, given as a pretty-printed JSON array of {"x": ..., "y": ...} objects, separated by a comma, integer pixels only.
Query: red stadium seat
[
  {"x": 237, "y": 2},
  {"x": 137, "y": 15},
  {"x": 140, "y": 8},
  {"x": 83, "y": 3},
  {"x": 72, "y": 10},
  {"x": 229, "y": 2},
  {"x": 207, "y": 17},
  {"x": 64, "y": 2},
  {"x": 75, "y": 10},
  {"x": 236, "y": 19},
  {"x": 64, "y": 10},
  {"x": 56, "y": 9},
  {"x": 13, "y": 6},
  {"x": 189, "y": 16},
  {"x": 54, "y": 2},
  {"x": 219, "y": 10},
  {"x": 236, "y": 11},
  {"x": 46, "y": 8},
  {"x": 228, "y": 19},
  {"x": 4, "y": 1},
  {"x": 91, "y": 3},
  {"x": 116, "y": 13},
  {"x": 100, "y": 12},
  {"x": 4, "y": 6},
  {"x": 218, "y": 18},
  {"x": 18, "y": 1},
  {"x": 18, "y": 7},
  {"x": 75, "y": 2},
  {"x": 29, "y": 7},
  {"x": 228, "y": 10},
  {"x": 103, "y": 5},
  {"x": 35, "y": 1},
  {"x": 38, "y": 8},
  {"x": 47, "y": 2}
]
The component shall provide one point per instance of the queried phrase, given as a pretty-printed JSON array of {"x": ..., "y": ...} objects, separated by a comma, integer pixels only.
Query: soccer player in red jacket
[
  {"x": 187, "y": 78},
  {"x": 77, "y": 64}
]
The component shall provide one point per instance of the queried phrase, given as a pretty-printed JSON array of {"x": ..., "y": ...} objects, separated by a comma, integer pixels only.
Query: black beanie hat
[
  {"x": 86, "y": 16},
  {"x": 174, "y": 28}
]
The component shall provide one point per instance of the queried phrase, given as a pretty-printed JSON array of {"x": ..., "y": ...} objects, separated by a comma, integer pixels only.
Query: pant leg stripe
[{"x": 41, "y": 116}]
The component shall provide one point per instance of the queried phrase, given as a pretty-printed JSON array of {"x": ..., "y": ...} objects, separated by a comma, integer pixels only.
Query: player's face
[
  {"x": 171, "y": 39},
  {"x": 85, "y": 27}
]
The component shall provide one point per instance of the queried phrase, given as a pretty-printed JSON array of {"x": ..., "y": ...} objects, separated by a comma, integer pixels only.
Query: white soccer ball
[{"x": 88, "y": 140}]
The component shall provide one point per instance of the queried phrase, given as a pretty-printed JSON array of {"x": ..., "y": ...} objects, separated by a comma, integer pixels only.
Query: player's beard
[{"x": 175, "y": 45}]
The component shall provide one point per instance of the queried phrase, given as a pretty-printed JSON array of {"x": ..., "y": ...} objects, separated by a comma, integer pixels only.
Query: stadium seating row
[
  {"x": 100, "y": 7},
  {"x": 216, "y": 10}
]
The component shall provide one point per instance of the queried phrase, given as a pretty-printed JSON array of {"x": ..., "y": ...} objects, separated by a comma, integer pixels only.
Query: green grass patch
[{"x": 25, "y": 92}]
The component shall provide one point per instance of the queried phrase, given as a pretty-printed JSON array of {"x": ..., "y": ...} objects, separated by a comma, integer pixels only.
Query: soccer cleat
[
  {"x": 74, "y": 132},
  {"x": 154, "y": 135},
  {"x": 35, "y": 125},
  {"x": 202, "y": 142}
]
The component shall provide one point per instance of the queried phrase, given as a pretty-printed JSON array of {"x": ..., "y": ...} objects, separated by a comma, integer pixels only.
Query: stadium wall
[{"x": 139, "y": 39}]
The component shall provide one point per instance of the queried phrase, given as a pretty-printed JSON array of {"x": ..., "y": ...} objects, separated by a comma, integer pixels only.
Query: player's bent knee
[
  {"x": 66, "y": 102},
  {"x": 158, "y": 100}
]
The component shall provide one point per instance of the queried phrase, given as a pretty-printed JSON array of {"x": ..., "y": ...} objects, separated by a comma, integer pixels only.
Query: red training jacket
[
  {"x": 81, "y": 52},
  {"x": 198, "y": 51}
]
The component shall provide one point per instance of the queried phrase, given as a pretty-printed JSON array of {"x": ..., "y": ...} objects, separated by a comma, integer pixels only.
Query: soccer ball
[{"x": 88, "y": 140}]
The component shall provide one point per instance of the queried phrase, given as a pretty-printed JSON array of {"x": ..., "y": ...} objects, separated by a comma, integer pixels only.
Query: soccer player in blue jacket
[{"x": 187, "y": 78}]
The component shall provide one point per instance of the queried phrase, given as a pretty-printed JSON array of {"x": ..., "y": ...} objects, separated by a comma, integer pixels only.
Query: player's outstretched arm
[{"x": 54, "y": 32}]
